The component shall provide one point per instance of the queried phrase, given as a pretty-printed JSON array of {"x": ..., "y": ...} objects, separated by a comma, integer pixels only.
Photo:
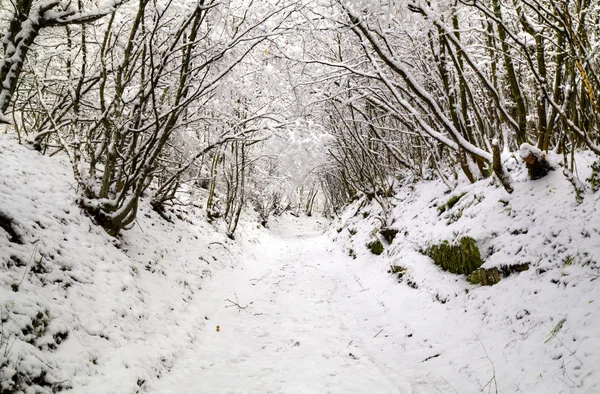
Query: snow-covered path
[{"x": 297, "y": 331}]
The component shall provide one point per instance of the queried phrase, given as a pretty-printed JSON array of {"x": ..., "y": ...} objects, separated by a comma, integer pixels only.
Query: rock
[
  {"x": 461, "y": 258},
  {"x": 485, "y": 276},
  {"x": 491, "y": 276},
  {"x": 535, "y": 161}
]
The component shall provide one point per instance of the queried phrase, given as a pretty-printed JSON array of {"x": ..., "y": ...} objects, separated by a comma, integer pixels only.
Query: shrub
[
  {"x": 352, "y": 253},
  {"x": 450, "y": 203},
  {"x": 376, "y": 247}
]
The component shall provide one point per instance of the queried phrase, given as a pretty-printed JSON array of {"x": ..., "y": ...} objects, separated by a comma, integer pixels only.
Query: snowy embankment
[
  {"x": 536, "y": 331},
  {"x": 82, "y": 310}
]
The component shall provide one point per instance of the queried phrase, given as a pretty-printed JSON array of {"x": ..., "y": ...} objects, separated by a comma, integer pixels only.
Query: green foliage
[
  {"x": 461, "y": 258},
  {"x": 454, "y": 217},
  {"x": 376, "y": 247},
  {"x": 450, "y": 203},
  {"x": 339, "y": 230},
  {"x": 37, "y": 327},
  {"x": 594, "y": 179},
  {"x": 389, "y": 234},
  {"x": 352, "y": 253},
  {"x": 18, "y": 376},
  {"x": 398, "y": 270}
]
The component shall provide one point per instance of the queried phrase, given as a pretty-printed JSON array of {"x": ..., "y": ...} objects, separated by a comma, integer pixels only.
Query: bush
[
  {"x": 376, "y": 247},
  {"x": 398, "y": 270},
  {"x": 594, "y": 178}
]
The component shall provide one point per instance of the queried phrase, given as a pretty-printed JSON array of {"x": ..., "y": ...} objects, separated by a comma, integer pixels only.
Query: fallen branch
[{"x": 236, "y": 303}]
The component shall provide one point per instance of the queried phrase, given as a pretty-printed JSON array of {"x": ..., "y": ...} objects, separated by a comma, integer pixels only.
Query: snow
[
  {"x": 540, "y": 224},
  {"x": 526, "y": 150},
  {"x": 127, "y": 303},
  {"x": 295, "y": 311},
  {"x": 290, "y": 336}
]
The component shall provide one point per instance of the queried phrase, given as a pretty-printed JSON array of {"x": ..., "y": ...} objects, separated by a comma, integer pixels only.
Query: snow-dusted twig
[
  {"x": 556, "y": 329},
  {"x": 262, "y": 277},
  {"x": 493, "y": 378},
  {"x": 29, "y": 264},
  {"x": 236, "y": 303},
  {"x": 451, "y": 386}
]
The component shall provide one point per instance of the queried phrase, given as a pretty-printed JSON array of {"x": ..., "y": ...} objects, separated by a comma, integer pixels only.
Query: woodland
[
  {"x": 424, "y": 134},
  {"x": 176, "y": 96}
]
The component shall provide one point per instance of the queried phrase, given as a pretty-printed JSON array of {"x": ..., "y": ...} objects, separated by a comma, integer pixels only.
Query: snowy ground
[
  {"x": 537, "y": 331},
  {"x": 307, "y": 326},
  {"x": 91, "y": 313},
  {"x": 296, "y": 312},
  {"x": 314, "y": 320}
]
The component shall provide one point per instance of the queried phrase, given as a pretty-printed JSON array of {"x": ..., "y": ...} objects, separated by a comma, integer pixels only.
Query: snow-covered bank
[
  {"x": 534, "y": 332},
  {"x": 82, "y": 310}
]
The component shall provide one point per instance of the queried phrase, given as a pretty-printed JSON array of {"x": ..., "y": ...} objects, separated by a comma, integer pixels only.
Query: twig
[
  {"x": 556, "y": 329},
  {"x": 138, "y": 223},
  {"x": 358, "y": 281},
  {"x": 29, "y": 264},
  {"x": 236, "y": 303},
  {"x": 262, "y": 277},
  {"x": 451, "y": 386},
  {"x": 220, "y": 244},
  {"x": 493, "y": 378},
  {"x": 553, "y": 335},
  {"x": 378, "y": 333},
  {"x": 430, "y": 357}
]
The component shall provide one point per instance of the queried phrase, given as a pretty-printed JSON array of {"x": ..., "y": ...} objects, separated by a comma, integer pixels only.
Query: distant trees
[
  {"x": 26, "y": 21},
  {"x": 423, "y": 87},
  {"x": 163, "y": 96},
  {"x": 123, "y": 98}
]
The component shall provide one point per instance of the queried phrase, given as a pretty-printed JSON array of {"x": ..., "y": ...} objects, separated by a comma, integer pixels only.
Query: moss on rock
[
  {"x": 461, "y": 258},
  {"x": 485, "y": 276},
  {"x": 491, "y": 276}
]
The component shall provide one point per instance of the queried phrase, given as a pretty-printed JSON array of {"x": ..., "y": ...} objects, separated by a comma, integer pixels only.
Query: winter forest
[{"x": 299, "y": 196}]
